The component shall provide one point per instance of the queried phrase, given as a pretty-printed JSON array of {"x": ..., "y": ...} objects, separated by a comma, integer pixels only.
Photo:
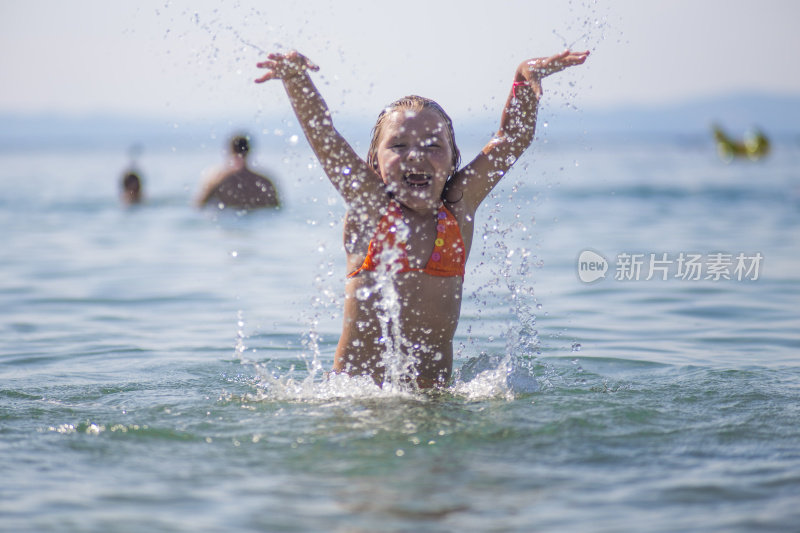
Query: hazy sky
[{"x": 197, "y": 59}]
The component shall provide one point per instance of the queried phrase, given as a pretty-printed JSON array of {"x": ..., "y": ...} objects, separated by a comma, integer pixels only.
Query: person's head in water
[
  {"x": 240, "y": 146},
  {"x": 131, "y": 188}
]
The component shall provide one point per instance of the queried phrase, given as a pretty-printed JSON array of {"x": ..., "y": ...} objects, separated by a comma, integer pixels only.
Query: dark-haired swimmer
[
  {"x": 131, "y": 188},
  {"x": 238, "y": 186}
]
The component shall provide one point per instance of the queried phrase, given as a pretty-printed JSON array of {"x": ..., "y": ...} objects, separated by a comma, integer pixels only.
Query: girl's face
[{"x": 415, "y": 157}]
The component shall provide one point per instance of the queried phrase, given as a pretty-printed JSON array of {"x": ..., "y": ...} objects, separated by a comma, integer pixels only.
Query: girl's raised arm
[
  {"x": 349, "y": 174},
  {"x": 517, "y": 126}
]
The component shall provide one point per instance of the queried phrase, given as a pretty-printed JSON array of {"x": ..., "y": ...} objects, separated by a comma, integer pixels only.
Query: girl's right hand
[{"x": 285, "y": 66}]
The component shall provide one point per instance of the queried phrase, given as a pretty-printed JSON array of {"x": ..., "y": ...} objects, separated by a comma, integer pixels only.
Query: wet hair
[
  {"x": 412, "y": 103},
  {"x": 240, "y": 145},
  {"x": 132, "y": 182}
]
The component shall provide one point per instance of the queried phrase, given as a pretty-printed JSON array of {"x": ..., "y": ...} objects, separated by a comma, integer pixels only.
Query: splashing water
[
  {"x": 505, "y": 252},
  {"x": 487, "y": 376},
  {"x": 590, "y": 23},
  {"x": 399, "y": 364}
]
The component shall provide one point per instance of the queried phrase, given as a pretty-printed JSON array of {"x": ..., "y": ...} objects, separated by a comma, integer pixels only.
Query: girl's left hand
[{"x": 533, "y": 70}]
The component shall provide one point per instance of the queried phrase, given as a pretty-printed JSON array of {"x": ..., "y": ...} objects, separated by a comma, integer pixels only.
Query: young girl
[{"x": 410, "y": 216}]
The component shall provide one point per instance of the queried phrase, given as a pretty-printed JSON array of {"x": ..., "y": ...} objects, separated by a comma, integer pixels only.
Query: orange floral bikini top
[{"x": 449, "y": 253}]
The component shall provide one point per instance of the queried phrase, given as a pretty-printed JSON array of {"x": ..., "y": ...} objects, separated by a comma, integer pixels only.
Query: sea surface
[{"x": 628, "y": 356}]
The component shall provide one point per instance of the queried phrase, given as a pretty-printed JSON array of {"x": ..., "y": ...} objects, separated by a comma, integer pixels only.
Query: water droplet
[
  {"x": 363, "y": 293},
  {"x": 576, "y": 347}
]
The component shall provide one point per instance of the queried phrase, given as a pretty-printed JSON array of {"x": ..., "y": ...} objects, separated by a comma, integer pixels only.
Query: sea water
[{"x": 162, "y": 368}]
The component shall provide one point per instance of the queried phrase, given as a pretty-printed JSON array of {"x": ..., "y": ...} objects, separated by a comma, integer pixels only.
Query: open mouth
[{"x": 417, "y": 181}]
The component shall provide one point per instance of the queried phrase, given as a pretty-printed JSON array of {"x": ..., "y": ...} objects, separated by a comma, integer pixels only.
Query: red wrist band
[{"x": 515, "y": 85}]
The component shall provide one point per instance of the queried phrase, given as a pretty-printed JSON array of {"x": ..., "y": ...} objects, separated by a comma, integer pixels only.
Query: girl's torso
[{"x": 427, "y": 306}]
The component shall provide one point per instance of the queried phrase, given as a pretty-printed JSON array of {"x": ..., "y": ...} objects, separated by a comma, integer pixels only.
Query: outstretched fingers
[
  {"x": 542, "y": 67},
  {"x": 284, "y": 66},
  {"x": 573, "y": 58},
  {"x": 268, "y": 75}
]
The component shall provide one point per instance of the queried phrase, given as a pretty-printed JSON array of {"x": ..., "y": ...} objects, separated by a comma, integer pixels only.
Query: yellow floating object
[{"x": 754, "y": 147}]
